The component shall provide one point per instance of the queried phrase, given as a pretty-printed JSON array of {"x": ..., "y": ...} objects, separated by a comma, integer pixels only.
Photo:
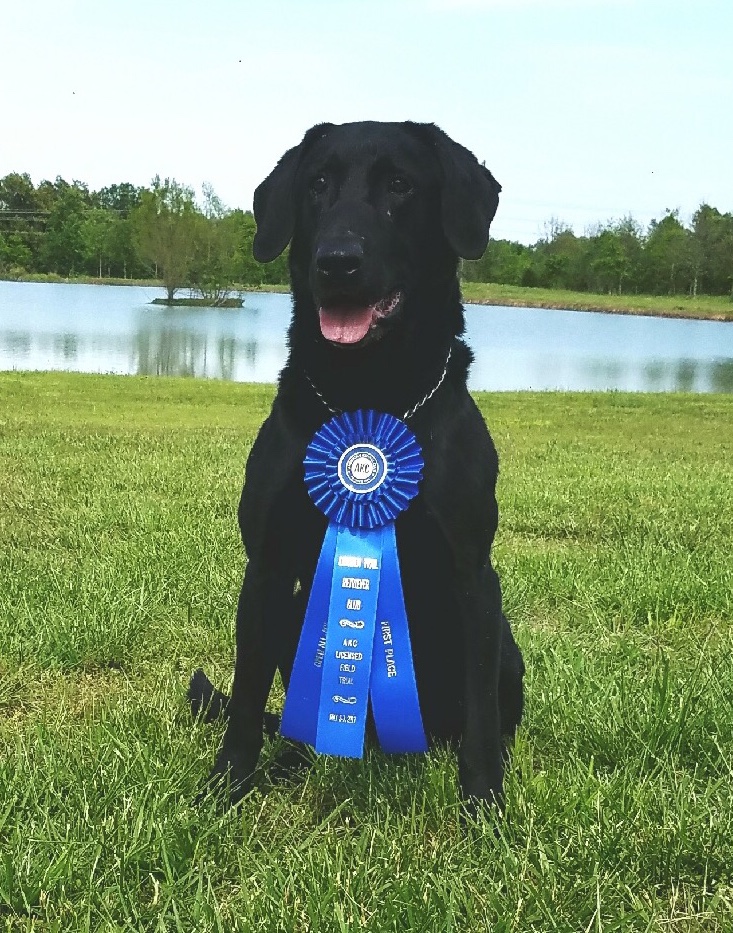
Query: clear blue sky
[{"x": 585, "y": 110}]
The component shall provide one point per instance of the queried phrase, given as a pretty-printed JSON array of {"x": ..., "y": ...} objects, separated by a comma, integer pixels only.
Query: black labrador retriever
[{"x": 377, "y": 216}]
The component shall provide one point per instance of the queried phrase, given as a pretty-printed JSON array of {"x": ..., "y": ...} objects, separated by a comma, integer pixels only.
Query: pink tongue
[{"x": 345, "y": 325}]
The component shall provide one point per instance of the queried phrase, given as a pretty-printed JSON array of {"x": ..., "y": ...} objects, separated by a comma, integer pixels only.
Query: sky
[{"x": 586, "y": 111}]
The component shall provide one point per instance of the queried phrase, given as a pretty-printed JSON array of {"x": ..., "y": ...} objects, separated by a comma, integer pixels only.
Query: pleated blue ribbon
[{"x": 362, "y": 469}]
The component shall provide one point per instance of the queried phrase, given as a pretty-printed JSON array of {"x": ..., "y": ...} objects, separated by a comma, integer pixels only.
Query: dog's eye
[
  {"x": 398, "y": 184},
  {"x": 318, "y": 184}
]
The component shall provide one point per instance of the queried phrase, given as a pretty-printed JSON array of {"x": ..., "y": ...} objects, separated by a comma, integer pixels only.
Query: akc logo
[{"x": 362, "y": 468}]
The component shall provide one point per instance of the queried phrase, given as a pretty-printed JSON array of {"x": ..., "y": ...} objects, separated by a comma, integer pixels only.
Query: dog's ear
[
  {"x": 469, "y": 193},
  {"x": 274, "y": 200}
]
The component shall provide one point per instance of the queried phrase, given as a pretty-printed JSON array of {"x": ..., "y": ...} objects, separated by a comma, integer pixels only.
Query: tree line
[
  {"x": 165, "y": 231},
  {"x": 668, "y": 258}
]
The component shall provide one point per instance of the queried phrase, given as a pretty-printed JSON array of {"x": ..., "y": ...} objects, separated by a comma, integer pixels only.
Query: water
[{"x": 108, "y": 329}]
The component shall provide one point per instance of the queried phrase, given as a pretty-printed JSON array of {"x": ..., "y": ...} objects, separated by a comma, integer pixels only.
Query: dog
[{"x": 377, "y": 216}]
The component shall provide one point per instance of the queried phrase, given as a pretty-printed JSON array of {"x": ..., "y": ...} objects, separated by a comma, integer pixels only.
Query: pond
[{"x": 115, "y": 329}]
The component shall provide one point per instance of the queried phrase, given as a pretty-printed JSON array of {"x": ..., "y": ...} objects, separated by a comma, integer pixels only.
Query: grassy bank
[
  {"x": 119, "y": 573},
  {"x": 55, "y": 279},
  {"x": 704, "y": 307}
]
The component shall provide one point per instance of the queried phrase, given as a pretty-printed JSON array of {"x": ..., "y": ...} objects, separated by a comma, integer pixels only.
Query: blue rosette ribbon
[{"x": 362, "y": 469}]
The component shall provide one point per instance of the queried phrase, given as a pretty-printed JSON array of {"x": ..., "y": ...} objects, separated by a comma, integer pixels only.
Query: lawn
[{"x": 119, "y": 573}]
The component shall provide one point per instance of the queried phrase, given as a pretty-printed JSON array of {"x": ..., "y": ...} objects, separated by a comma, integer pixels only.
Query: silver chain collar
[{"x": 410, "y": 411}]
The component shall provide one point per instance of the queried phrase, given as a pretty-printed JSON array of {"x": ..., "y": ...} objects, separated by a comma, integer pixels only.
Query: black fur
[{"x": 373, "y": 210}]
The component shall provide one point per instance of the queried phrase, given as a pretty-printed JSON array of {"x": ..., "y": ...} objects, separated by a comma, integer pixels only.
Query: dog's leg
[
  {"x": 211, "y": 704},
  {"x": 480, "y": 759},
  {"x": 294, "y": 757},
  {"x": 511, "y": 690},
  {"x": 206, "y": 702},
  {"x": 263, "y": 596}
]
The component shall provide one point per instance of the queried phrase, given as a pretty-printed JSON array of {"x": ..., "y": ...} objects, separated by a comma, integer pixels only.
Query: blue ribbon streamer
[
  {"x": 393, "y": 688},
  {"x": 362, "y": 469}
]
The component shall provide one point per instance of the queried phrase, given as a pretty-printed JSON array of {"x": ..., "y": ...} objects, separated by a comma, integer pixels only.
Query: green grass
[
  {"x": 56, "y": 279},
  {"x": 119, "y": 572},
  {"x": 704, "y": 307}
]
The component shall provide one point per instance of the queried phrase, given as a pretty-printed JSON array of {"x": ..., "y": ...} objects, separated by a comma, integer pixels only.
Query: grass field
[{"x": 119, "y": 572}]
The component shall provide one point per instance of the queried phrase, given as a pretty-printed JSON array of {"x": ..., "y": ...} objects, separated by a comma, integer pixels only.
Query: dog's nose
[{"x": 339, "y": 261}]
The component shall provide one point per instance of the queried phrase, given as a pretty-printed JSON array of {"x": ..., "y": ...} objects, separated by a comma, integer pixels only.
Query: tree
[
  {"x": 98, "y": 232},
  {"x": 17, "y": 194},
  {"x": 614, "y": 256},
  {"x": 165, "y": 226},
  {"x": 15, "y": 257},
  {"x": 629, "y": 233},
  {"x": 124, "y": 260},
  {"x": 122, "y": 198},
  {"x": 213, "y": 271},
  {"x": 608, "y": 262},
  {"x": 504, "y": 262},
  {"x": 22, "y": 224},
  {"x": 246, "y": 268},
  {"x": 561, "y": 259},
  {"x": 712, "y": 250},
  {"x": 63, "y": 249},
  {"x": 668, "y": 257}
]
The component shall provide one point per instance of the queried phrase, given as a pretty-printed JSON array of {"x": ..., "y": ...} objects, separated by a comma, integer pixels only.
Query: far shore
[{"x": 701, "y": 307}]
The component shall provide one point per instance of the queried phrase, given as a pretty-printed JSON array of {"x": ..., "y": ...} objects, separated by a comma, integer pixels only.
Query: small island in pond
[{"x": 199, "y": 302}]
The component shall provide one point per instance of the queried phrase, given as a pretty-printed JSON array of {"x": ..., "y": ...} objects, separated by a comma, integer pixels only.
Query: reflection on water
[
  {"x": 66, "y": 346},
  {"x": 91, "y": 328},
  {"x": 687, "y": 375},
  {"x": 15, "y": 343},
  {"x": 170, "y": 351},
  {"x": 536, "y": 348},
  {"x": 721, "y": 377}
]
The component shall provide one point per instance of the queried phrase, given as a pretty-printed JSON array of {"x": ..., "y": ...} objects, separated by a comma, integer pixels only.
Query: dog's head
[{"x": 377, "y": 215}]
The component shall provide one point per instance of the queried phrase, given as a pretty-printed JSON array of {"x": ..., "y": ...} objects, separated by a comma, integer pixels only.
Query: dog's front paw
[
  {"x": 228, "y": 783},
  {"x": 481, "y": 795},
  {"x": 475, "y": 808},
  {"x": 292, "y": 761}
]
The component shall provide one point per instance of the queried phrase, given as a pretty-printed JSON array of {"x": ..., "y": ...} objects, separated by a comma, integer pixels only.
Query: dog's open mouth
[{"x": 349, "y": 324}]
